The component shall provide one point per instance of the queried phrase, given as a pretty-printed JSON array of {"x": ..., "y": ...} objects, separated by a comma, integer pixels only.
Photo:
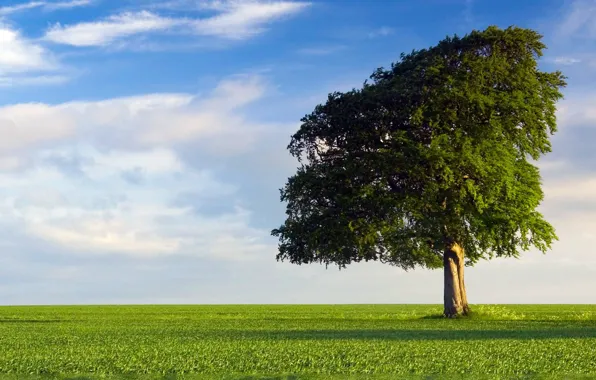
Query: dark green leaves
[{"x": 435, "y": 148}]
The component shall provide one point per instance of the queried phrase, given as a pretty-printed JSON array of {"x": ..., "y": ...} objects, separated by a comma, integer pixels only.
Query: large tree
[{"x": 435, "y": 155}]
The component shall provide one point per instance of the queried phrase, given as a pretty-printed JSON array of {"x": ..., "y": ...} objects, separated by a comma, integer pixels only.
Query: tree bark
[{"x": 455, "y": 297}]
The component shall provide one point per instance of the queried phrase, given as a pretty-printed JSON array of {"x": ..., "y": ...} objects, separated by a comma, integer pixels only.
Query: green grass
[{"x": 298, "y": 342}]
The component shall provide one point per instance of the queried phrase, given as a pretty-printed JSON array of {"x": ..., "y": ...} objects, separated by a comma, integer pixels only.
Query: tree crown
[{"x": 436, "y": 149}]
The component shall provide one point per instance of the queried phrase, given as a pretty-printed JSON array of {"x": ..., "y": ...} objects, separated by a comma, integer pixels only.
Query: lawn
[{"x": 298, "y": 342}]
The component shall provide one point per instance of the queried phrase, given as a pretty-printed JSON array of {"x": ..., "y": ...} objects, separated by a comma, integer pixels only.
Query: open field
[{"x": 227, "y": 342}]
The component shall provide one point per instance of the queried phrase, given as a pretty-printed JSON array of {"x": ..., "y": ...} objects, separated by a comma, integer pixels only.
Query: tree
[{"x": 435, "y": 155}]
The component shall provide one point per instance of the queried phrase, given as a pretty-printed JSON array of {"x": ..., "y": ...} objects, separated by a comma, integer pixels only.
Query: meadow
[{"x": 297, "y": 342}]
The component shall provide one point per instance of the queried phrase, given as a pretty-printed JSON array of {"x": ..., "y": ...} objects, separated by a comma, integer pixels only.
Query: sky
[{"x": 143, "y": 145}]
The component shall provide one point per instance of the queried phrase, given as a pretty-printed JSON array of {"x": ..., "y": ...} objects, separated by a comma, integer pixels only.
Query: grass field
[{"x": 297, "y": 342}]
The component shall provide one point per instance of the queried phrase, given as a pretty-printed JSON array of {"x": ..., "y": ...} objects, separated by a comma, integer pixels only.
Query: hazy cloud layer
[{"x": 113, "y": 179}]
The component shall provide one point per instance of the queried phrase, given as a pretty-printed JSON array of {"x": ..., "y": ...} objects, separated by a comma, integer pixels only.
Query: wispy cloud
[
  {"x": 381, "y": 32},
  {"x": 20, "y": 7},
  {"x": 67, "y": 4},
  {"x": 323, "y": 50},
  {"x": 45, "y": 5},
  {"x": 566, "y": 60},
  {"x": 244, "y": 19},
  {"x": 33, "y": 80},
  {"x": 579, "y": 21},
  {"x": 104, "y": 32},
  {"x": 233, "y": 20}
]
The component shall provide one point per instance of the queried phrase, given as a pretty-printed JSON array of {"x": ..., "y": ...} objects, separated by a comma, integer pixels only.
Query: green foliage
[
  {"x": 437, "y": 148},
  {"x": 295, "y": 342}
]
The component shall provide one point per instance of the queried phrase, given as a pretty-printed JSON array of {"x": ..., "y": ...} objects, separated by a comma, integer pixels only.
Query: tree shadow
[
  {"x": 253, "y": 377},
  {"x": 173, "y": 376},
  {"x": 413, "y": 334},
  {"x": 19, "y": 320}
]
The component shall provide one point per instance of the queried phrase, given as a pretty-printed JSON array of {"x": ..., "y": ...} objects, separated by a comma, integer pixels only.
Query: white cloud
[
  {"x": 33, "y": 80},
  {"x": 19, "y": 54},
  {"x": 20, "y": 7},
  {"x": 99, "y": 211},
  {"x": 381, "y": 32},
  {"x": 571, "y": 189},
  {"x": 234, "y": 20},
  {"x": 97, "y": 165},
  {"x": 10, "y": 163},
  {"x": 45, "y": 5},
  {"x": 566, "y": 60},
  {"x": 26, "y": 126},
  {"x": 551, "y": 166},
  {"x": 214, "y": 124},
  {"x": 129, "y": 229},
  {"x": 577, "y": 110},
  {"x": 154, "y": 161},
  {"x": 243, "y": 19},
  {"x": 67, "y": 4},
  {"x": 139, "y": 122},
  {"x": 26, "y": 63},
  {"x": 138, "y": 221},
  {"x": 104, "y": 32}
]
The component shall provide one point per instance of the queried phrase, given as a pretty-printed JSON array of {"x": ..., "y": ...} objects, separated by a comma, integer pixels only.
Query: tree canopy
[{"x": 438, "y": 148}]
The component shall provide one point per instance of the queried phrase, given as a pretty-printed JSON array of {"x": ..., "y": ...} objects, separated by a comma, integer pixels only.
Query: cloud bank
[{"x": 114, "y": 182}]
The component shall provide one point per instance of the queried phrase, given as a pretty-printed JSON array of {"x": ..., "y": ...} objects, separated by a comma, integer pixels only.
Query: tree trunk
[{"x": 455, "y": 298}]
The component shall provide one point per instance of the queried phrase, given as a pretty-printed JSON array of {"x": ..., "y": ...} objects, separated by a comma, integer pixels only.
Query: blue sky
[{"x": 143, "y": 145}]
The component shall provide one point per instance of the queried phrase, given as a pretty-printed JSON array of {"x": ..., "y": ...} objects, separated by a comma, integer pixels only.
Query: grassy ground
[{"x": 297, "y": 342}]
